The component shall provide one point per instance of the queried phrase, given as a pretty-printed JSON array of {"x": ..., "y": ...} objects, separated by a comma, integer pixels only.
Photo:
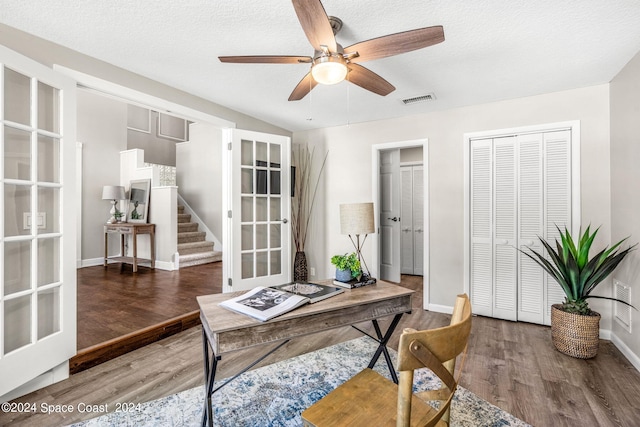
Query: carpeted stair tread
[
  {"x": 199, "y": 258},
  {"x": 185, "y": 227},
  {"x": 191, "y": 236},
  {"x": 195, "y": 247}
]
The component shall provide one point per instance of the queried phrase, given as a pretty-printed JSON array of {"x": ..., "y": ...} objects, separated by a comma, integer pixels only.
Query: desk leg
[
  {"x": 106, "y": 248},
  {"x": 382, "y": 347},
  {"x": 209, "y": 379}
]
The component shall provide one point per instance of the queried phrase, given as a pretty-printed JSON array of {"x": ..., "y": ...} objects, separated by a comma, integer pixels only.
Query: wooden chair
[{"x": 369, "y": 399}]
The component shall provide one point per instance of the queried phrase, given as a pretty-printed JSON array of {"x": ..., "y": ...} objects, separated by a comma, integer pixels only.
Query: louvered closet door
[
  {"x": 520, "y": 189},
  {"x": 412, "y": 220},
  {"x": 418, "y": 220},
  {"x": 505, "y": 222},
  {"x": 481, "y": 239},
  {"x": 557, "y": 201},
  {"x": 406, "y": 220},
  {"x": 530, "y": 225}
]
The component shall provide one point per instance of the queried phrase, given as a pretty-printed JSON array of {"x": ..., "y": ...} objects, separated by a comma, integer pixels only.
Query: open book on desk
[{"x": 266, "y": 303}]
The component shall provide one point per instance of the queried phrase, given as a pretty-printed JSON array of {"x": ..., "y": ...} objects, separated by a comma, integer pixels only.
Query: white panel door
[
  {"x": 505, "y": 211},
  {"x": 390, "y": 215},
  {"x": 258, "y": 248},
  {"x": 37, "y": 240},
  {"x": 481, "y": 233}
]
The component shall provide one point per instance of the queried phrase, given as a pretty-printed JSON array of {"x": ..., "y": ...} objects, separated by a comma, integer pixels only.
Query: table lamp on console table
[
  {"x": 113, "y": 193},
  {"x": 357, "y": 219}
]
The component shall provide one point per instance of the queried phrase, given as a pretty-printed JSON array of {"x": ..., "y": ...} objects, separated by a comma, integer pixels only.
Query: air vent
[
  {"x": 418, "y": 99},
  {"x": 622, "y": 312}
]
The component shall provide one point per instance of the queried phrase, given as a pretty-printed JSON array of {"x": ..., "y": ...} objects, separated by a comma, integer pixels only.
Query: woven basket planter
[{"x": 573, "y": 334}]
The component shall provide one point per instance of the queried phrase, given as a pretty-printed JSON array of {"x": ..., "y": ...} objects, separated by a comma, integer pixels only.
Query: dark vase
[{"x": 300, "y": 272}]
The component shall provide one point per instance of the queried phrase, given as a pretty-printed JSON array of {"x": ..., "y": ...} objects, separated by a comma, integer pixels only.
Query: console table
[
  {"x": 130, "y": 229},
  {"x": 225, "y": 331}
]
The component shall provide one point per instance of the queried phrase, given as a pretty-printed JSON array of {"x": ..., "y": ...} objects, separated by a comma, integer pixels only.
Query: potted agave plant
[{"x": 574, "y": 326}]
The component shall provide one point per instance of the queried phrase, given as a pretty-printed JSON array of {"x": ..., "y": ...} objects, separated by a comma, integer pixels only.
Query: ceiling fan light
[{"x": 329, "y": 70}]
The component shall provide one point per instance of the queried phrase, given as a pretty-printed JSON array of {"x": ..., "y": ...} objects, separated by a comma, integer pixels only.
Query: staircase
[{"x": 192, "y": 246}]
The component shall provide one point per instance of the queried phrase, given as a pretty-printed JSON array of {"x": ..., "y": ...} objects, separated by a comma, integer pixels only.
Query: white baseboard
[
  {"x": 440, "y": 308},
  {"x": 91, "y": 262},
  {"x": 160, "y": 265},
  {"x": 59, "y": 373},
  {"x": 626, "y": 351}
]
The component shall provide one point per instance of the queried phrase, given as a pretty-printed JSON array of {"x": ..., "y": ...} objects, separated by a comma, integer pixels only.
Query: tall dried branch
[{"x": 305, "y": 192}]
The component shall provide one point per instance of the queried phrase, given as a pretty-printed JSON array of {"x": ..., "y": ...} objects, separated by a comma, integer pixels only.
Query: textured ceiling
[{"x": 493, "y": 50}]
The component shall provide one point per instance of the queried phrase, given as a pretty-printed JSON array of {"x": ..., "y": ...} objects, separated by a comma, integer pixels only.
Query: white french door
[
  {"x": 257, "y": 243},
  {"x": 37, "y": 221}
]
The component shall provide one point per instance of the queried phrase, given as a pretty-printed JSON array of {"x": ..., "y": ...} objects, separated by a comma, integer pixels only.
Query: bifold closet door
[
  {"x": 530, "y": 225},
  {"x": 505, "y": 218},
  {"x": 520, "y": 189},
  {"x": 412, "y": 220}
]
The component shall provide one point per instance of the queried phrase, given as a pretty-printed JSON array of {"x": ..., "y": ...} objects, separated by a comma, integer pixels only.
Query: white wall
[
  {"x": 102, "y": 128},
  {"x": 625, "y": 192},
  {"x": 348, "y": 174},
  {"x": 199, "y": 174}
]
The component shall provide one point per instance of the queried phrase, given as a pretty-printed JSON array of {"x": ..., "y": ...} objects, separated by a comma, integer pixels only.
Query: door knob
[
  {"x": 394, "y": 219},
  {"x": 284, "y": 220}
]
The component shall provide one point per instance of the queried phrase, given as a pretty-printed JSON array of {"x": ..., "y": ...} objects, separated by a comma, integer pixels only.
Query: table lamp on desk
[{"x": 357, "y": 219}]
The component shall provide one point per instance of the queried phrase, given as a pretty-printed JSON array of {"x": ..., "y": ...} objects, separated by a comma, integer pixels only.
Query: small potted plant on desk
[
  {"x": 574, "y": 326},
  {"x": 347, "y": 267}
]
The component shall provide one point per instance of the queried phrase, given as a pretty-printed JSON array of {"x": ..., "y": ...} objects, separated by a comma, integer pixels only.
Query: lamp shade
[
  {"x": 113, "y": 192},
  {"x": 357, "y": 218}
]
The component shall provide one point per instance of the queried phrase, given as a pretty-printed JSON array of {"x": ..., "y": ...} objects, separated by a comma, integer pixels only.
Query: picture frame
[{"x": 138, "y": 208}]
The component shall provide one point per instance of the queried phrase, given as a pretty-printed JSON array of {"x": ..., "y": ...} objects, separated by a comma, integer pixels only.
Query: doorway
[{"x": 386, "y": 194}]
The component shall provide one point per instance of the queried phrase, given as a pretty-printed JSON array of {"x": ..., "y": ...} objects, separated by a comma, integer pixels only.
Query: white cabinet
[
  {"x": 520, "y": 188},
  {"x": 412, "y": 220}
]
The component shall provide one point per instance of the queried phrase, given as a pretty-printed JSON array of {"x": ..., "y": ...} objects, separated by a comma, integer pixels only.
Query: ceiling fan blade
[
  {"x": 367, "y": 79},
  {"x": 395, "y": 44},
  {"x": 315, "y": 23},
  {"x": 303, "y": 88},
  {"x": 266, "y": 59}
]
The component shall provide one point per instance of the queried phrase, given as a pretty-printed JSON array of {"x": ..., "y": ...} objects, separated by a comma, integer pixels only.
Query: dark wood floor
[
  {"x": 512, "y": 365},
  {"x": 120, "y": 311},
  {"x": 114, "y": 302}
]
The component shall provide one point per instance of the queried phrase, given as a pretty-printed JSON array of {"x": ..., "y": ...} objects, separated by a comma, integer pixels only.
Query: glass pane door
[
  {"x": 261, "y": 203},
  {"x": 37, "y": 293}
]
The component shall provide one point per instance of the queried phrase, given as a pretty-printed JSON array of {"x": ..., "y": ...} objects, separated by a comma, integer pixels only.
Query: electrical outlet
[{"x": 312, "y": 271}]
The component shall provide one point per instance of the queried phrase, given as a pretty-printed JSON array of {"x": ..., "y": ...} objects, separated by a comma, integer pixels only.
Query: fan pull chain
[
  {"x": 348, "y": 105},
  {"x": 310, "y": 102},
  {"x": 348, "y": 102}
]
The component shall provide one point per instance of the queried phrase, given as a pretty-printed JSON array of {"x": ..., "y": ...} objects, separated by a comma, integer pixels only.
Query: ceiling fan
[{"x": 331, "y": 63}]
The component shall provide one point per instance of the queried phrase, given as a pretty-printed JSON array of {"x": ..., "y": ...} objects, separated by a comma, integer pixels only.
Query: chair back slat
[
  {"x": 437, "y": 350},
  {"x": 445, "y": 343}
]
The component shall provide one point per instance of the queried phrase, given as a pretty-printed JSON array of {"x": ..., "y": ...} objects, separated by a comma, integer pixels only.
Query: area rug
[{"x": 275, "y": 395}]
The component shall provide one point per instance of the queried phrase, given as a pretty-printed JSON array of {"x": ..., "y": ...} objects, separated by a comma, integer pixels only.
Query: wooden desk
[
  {"x": 130, "y": 229},
  {"x": 224, "y": 330}
]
